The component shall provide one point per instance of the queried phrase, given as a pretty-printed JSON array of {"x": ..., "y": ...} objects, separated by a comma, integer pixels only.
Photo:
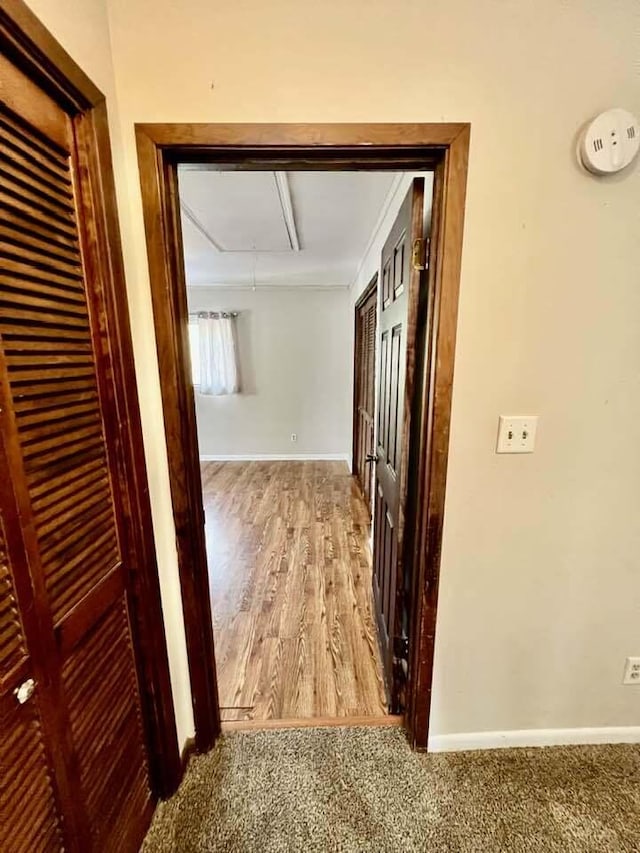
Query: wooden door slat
[
  {"x": 44, "y": 494},
  {"x": 24, "y": 197},
  {"x": 19, "y": 131},
  {"x": 60, "y": 440},
  {"x": 50, "y": 359},
  {"x": 89, "y": 498},
  {"x": 53, "y": 373},
  {"x": 14, "y": 172},
  {"x": 76, "y": 588},
  {"x": 14, "y": 345},
  {"x": 19, "y": 240},
  {"x": 18, "y": 151},
  {"x": 37, "y": 424},
  {"x": 59, "y": 553},
  {"x": 18, "y": 331},
  {"x": 50, "y": 318},
  {"x": 13, "y": 201},
  {"x": 90, "y": 550},
  {"x": 45, "y": 278},
  {"x": 55, "y": 306},
  {"x": 30, "y": 225}
]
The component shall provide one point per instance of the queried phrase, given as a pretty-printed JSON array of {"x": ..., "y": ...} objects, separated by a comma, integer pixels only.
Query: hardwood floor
[{"x": 290, "y": 574}]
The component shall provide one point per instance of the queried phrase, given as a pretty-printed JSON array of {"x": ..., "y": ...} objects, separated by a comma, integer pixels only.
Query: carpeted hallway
[{"x": 362, "y": 789}]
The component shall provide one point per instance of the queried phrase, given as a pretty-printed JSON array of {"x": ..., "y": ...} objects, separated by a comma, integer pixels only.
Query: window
[{"x": 214, "y": 360}]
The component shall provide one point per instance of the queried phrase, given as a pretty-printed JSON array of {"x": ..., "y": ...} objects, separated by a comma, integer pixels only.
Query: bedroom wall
[{"x": 295, "y": 365}]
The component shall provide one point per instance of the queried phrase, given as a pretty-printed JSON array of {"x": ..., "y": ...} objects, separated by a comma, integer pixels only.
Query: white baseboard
[
  {"x": 276, "y": 457},
  {"x": 533, "y": 737}
]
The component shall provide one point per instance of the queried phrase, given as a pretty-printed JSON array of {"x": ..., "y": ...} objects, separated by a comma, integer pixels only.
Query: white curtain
[{"x": 219, "y": 373}]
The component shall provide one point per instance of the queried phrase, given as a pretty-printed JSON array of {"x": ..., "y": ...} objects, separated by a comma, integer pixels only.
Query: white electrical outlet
[
  {"x": 294, "y": 437},
  {"x": 632, "y": 671},
  {"x": 517, "y": 433}
]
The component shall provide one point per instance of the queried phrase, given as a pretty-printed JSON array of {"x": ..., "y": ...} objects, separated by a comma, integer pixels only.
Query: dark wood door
[
  {"x": 364, "y": 390},
  {"x": 74, "y": 750},
  {"x": 400, "y": 287},
  {"x": 34, "y": 822}
]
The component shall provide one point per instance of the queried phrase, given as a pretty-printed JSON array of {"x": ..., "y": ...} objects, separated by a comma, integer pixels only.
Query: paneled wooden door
[
  {"x": 401, "y": 277},
  {"x": 74, "y": 764},
  {"x": 364, "y": 389}
]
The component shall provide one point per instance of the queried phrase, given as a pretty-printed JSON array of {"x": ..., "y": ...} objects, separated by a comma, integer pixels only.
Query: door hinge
[{"x": 419, "y": 254}]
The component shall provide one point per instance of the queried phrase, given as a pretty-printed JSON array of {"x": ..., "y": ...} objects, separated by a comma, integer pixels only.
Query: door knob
[
  {"x": 25, "y": 691},
  {"x": 370, "y": 458}
]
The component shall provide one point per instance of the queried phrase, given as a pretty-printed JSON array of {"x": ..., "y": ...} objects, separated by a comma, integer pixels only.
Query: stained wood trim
[
  {"x": 309, "y": 136},
  {"x": 437, "y": 383},
  {"x": 388, "y": 721},
  {"x": 303, "y": 146},
  {"x": 150, "y": 645},
  {"x": 33, "y": 49},
  {"x": 26, "y": 40},
  {"x": 169, "y": 296},
  {"x": 366, "y": 293}
]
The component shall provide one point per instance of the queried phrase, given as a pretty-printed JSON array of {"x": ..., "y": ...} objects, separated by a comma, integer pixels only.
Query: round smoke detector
[{"x": 610, "y": 142}]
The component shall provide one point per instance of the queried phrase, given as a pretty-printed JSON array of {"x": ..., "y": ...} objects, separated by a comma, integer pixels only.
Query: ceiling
[{"x": 278, "y": 228}]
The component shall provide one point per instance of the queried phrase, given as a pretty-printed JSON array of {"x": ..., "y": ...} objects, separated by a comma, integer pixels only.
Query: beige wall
[
  {"x": 540, "y": 592},
  {"x": 294, "y": 347}
]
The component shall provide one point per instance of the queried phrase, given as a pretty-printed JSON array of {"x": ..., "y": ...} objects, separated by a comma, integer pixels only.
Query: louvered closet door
[
  {"x": 365, "y": 391},
  {"x": 56, "y": 414},
  {"x": 25, "y": 767}
]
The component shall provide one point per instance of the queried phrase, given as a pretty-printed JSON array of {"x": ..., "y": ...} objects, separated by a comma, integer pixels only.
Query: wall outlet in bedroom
[
  {"x": 632, "y": 671},
  {"x": 294, "y": 436}
]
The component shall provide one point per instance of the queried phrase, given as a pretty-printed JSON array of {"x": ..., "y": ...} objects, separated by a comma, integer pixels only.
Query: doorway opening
[
  {"x": 274, "y": 262},
  {"x": 418, "y": 275}
]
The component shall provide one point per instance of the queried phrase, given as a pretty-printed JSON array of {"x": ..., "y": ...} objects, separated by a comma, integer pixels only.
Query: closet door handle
[
  {"x": 370, "y": 458},
  {"x": 25, "y": 691}
]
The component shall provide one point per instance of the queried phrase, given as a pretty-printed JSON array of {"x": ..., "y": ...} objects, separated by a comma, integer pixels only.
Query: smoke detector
[{"x": 609, "y": 142}]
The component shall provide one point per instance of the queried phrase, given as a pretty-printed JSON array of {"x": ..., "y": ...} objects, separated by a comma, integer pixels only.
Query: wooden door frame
[
  {"x": 30, "y": 46},
  {"x": 366, "y": 293},
  {"x": 415, "y": 147}
]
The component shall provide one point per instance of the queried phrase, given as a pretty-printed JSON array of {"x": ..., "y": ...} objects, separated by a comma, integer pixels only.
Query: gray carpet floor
[{"x": 362, "y": 789}]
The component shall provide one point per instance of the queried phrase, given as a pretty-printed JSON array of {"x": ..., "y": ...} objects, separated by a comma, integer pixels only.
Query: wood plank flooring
[{"x": 290, "y": 574}]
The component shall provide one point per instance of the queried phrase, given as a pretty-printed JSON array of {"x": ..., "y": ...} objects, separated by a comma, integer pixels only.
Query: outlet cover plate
[
  {"x": 517, "y": 433},
  {"x": 632, "y": 671}
]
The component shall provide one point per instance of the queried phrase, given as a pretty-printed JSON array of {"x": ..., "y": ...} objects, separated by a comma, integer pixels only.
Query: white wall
[
  {"x": 296, "y": 366},
  {"x": 540, "y": 585},
  {"x": 81, "y": 26}
]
